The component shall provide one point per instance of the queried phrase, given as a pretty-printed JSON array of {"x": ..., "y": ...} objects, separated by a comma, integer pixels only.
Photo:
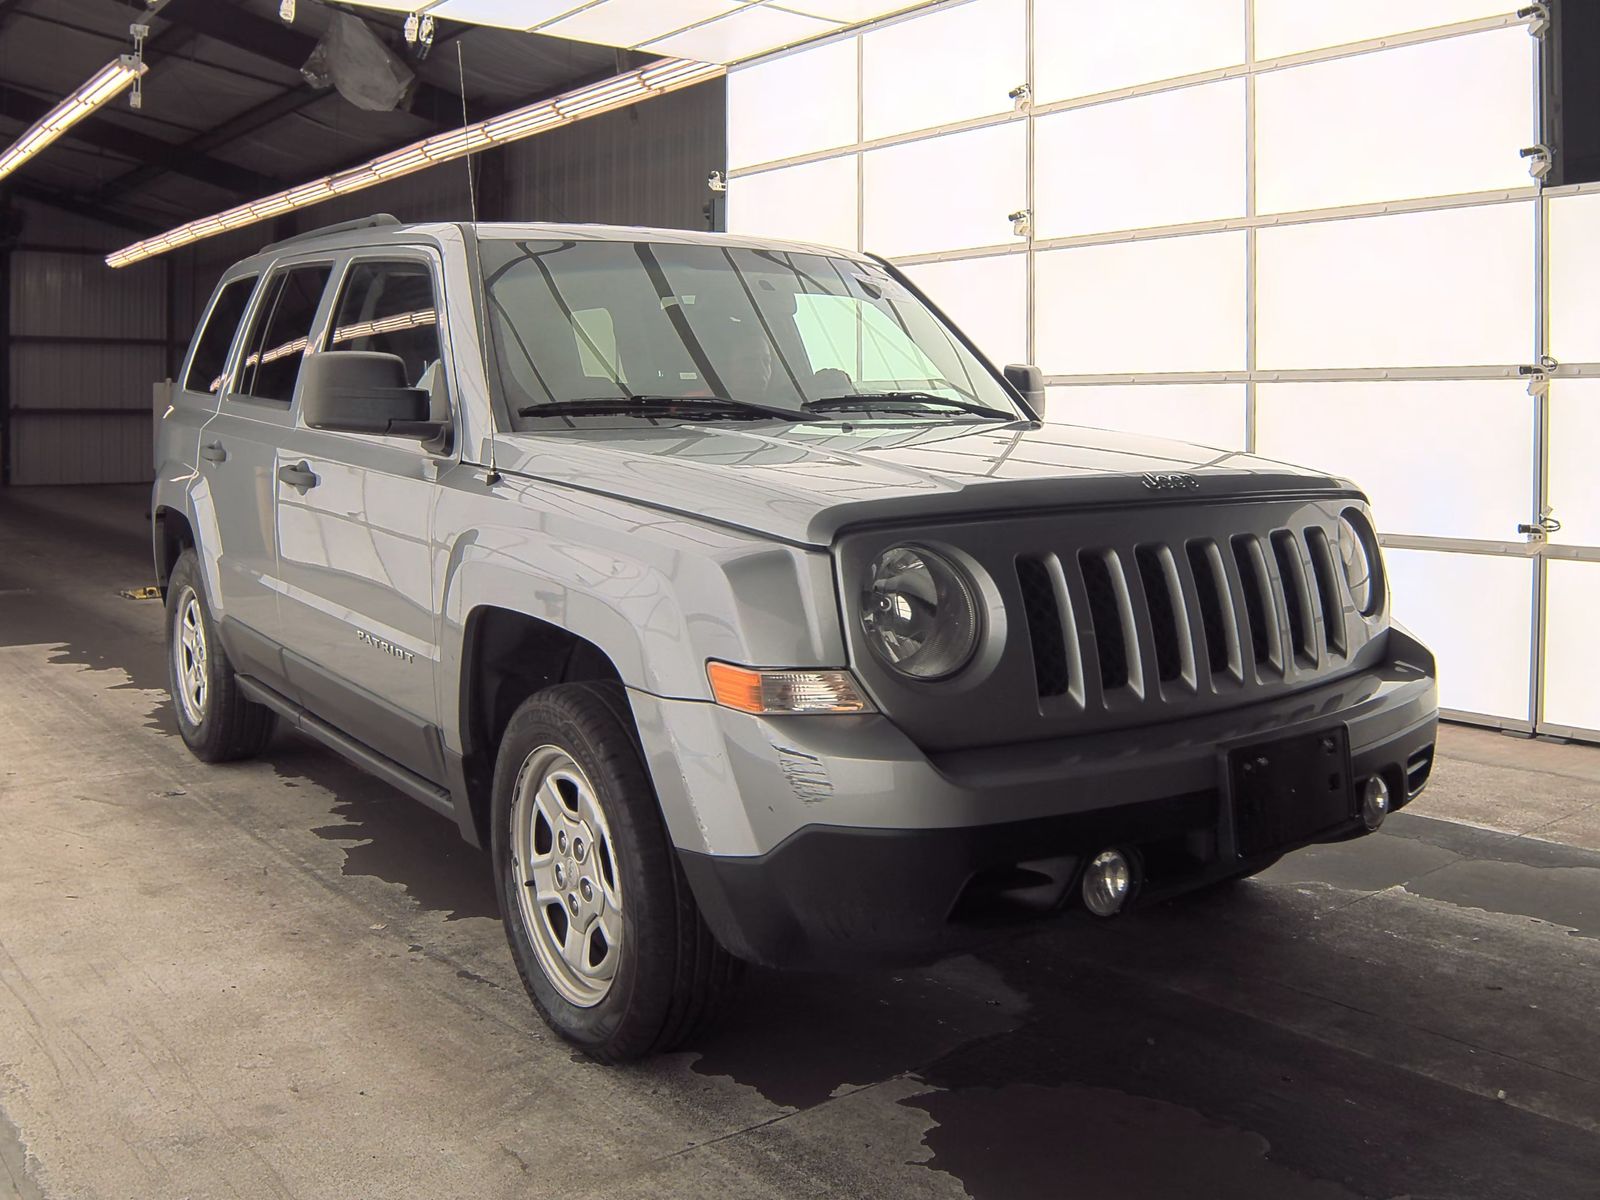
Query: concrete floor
[{"x": 281, "y": 979}]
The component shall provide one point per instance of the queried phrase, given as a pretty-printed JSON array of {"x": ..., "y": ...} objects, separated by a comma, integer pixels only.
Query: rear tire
[
  {"x": 215, "y": 719},
  {"x": 602, "y": 925}
]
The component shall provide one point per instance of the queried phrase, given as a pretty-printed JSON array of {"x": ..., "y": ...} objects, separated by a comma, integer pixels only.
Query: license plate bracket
[{"x": 1290, "y": 789}]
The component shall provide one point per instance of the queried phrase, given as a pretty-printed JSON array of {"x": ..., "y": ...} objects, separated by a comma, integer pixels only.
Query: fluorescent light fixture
[
  {"x": 103, "y": 86},
  {"x": 667, "y": 75}
]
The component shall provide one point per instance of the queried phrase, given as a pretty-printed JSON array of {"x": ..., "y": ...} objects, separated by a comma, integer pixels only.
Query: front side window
[
  {"x": 582, "y": 321},
  {"x": 282, "y": 332},
  {"x": 390, "y": 308},
  {"x": 214, "y": 341}
]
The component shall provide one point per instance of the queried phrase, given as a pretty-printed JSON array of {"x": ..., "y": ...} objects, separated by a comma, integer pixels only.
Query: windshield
[{"x": 580, "y": 321}]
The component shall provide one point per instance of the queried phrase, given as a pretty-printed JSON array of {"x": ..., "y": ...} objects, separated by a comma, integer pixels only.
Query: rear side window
[
  {"x": 216, "y": 337},
  {"x": 282, "y": 332}
]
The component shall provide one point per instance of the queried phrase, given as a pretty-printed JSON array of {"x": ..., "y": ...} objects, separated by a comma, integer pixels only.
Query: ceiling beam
[
  {"x": 288, "y": 47},
  {"x": 282, "y": 105},
  {"x": 125, "y": 142},
  {"x": 80, "y": 207}
]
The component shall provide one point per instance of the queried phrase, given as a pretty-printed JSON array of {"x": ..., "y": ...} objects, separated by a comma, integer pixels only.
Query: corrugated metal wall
[
  {"x": 84, "y": 345},
  {"x": 87, "y": 342}
]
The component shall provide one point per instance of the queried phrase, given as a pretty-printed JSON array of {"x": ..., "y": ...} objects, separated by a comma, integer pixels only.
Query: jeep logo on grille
[{"x": 1171, "y": 481}]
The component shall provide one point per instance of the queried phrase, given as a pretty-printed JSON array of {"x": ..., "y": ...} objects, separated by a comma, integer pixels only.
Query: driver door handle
[
  {"x": 214, "y": 452},
  {"x": 300, "y": 476}
]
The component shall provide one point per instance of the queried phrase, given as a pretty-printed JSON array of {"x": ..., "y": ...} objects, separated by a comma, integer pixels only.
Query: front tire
[
  {"x": 605, "y": 933},
  {"x": 215, "y": 719}
]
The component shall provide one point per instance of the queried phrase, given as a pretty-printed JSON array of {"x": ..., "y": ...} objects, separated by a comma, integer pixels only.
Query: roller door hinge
[
  {"x": 1022, "y": 222},
  {"x": 1021, "y": 97},
  {"x": 1538, "y": 374},
  {"x": 1538, "y": 18},
  {"x": 1541, "y": 529}
]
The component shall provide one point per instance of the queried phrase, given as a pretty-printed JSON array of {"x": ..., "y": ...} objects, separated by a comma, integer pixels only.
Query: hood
[{"x": 805, "y": 483}]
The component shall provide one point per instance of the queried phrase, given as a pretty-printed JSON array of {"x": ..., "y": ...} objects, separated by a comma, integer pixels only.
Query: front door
[
  {"x": 238, "y": 461},
  {"x": 357, "y": 603}
]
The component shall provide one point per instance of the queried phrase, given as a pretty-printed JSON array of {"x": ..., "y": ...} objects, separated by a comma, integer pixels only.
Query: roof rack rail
[{"x": 375, "y": 221}]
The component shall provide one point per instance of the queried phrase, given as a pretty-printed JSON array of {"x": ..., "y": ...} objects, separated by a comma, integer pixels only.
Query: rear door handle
[
  {"x": 299, "y": 476},
  {"x": 214, "y": 453}
]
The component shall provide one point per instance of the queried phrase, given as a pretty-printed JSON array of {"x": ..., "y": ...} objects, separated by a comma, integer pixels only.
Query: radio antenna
[{"x": 466, "y": 159}]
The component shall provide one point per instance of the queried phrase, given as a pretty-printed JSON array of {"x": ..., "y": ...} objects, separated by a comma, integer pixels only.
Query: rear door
[
  {"x": 238, "y": 460},
  {"x": 358, "y": 596}
]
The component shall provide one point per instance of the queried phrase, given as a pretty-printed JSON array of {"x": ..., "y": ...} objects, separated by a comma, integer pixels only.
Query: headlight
[
  {"x": 1358, "y": 555},
  {"x": 920, "y": 613}
]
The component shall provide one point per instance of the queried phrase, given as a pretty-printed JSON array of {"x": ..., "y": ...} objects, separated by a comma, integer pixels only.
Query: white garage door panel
[
  {"x": 1165, "y": 159},
  {"x": 1290, "y": 26},
  {"x": 1453, "y": 287},
  {"x": 1574, "y": 482},
  {"x": 1572, "y": 654},
  {"x": 792, "y": 106},
  {"x": 1133, "y": 41},
  {"x": 986, "y": 297},
  {"x": 946, "y": 193},
  {"x": 815, "y": 203},
  {"x": 1574, "y": 267},
  {"x": 1373, "y": 127},
  {"x": 1209, "y": 414},
  {"x": 1437, "y": 459},
  {"x": 948, "y": 66},
  {"x": 1169, "y": 304},
  {"x": 1475, "y": 612}
]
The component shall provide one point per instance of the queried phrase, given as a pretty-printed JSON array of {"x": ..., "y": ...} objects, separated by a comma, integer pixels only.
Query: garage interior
[{"x": 1356, "y": 236}]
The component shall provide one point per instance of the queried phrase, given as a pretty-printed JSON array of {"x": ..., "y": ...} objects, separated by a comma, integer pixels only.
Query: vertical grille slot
[
  {"x": 1296, "y": 595},
  {"x": 1323, "y": 567},
  {"x": 1162, "y": 604},
  {"x": 1051, "y": 669},
  {"x": 1260, "y": 614},
  {"x": 1216, "y": 613},
  {"x": 1107, "y": 602}
]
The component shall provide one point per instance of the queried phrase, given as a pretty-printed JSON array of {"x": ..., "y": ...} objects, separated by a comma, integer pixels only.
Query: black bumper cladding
[{"x": 832, "y": 897}]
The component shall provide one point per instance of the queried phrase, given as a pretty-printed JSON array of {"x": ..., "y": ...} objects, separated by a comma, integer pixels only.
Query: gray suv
[{"x": 744, "y": 612}]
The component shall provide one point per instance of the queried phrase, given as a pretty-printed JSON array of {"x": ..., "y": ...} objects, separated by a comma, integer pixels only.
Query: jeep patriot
[{"x": 741, "y": 610}]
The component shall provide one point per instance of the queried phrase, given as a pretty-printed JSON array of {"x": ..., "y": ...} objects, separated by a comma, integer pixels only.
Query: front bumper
[{"x": 876, "y": 853}]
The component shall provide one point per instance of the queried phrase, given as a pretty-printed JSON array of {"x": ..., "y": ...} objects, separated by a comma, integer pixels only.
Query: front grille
[{"x": 1165, "y": 620}]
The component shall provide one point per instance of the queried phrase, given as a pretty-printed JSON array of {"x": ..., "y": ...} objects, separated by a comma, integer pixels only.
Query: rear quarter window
[{"x": 215, "y": 337}]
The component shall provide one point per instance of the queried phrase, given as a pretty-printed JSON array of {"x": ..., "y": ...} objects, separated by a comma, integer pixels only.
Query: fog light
[
  {"x": 1374, "y": 802},
  {"x": 1107, "y": 880}
]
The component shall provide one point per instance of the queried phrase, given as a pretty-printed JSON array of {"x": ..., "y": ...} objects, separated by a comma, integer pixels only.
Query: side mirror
[
  {"x": 356, "y": 391},
  {"x": 1029, "y": 380}
]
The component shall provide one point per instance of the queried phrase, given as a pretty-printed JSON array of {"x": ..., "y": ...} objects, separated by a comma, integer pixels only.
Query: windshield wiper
[
  {"x": 652, "y": 406},
  {"x": 912, "y": 402}
]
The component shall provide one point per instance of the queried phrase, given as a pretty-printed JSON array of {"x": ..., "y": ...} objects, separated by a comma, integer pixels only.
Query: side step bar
[{"x": 368, "y": 759}]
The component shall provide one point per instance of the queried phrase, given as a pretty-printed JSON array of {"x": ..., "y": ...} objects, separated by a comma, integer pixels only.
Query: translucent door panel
[
  {"x": 1437, "y": 459},
  {"x": 792, "y": 106},
  {"x": 986, "y": 297},
  {"x": 1574, "y": 480},
  {"x": 813, "y": 203},
  {"x": 1475, "y": 612},
  {"x": 946, "y": 193},
  {"x": 1290, "y": 26},
  {"x": 948, "y": 66},
  {"x": 1428, "y": 120},
  {"x": 1084, "y": 47},
  {"x": 1167, "y": 304},
  {"x": 1572, "y": 652},
  {"x": 1574, "y": 267},
  {"x": 1209, "y": 414},
  {"x": 1417, "y": 289},
  {"x": 1164, "y": 159}
]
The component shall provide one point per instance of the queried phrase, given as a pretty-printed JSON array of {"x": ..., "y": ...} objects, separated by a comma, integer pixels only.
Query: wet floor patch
[
  {"x": 800, "y": 1038},
  {"x": 1567, "y": 897},
  {"x": 389, "y": 836},
  {"x": 16, "y": 1179}
]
